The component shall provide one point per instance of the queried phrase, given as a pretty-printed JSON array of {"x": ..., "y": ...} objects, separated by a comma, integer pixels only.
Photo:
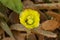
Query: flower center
[{"x": 30, "y": 20}]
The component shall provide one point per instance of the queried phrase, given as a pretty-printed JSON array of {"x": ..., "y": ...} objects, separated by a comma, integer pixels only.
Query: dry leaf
[
  {"x": 43, "y": 17},
  {"x": 31, "y": 36},
  {"x": 18, "y": 27},
  {"x": 14, "y": 17},
  {"x": 44, "y": 33},
  {"x": 50, "y": 25},
  {"x": 29, "y": 4},
  {"x": 7, "y": 38},
  {"x": 1, "y": 31},
  {"x": 19, "y": 36},
  {"x": 56, "y": 16},
  {"x": 40, "y": 37}
]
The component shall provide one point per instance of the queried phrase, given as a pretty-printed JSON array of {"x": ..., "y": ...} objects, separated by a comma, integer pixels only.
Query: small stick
[{"x": 48, "y": 6}]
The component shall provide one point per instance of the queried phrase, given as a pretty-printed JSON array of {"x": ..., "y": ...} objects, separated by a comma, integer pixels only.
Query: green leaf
[
  {"x": 15, "y": 5},
  {"x": 6, "y": 28}
]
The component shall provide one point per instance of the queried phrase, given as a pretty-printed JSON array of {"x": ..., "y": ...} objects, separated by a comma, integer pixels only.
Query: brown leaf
[
  {"x": 40, "y": 37},
  {"x": 50, "y": 25},
  {"x": 7, "y": 38},
  {"x": 29, "y": 4},
  {"x": 19, "y": 36},
  {"x": 31, "y": 36},
  {"x": 1, "y": 31},
  {"x": 18, "y": 27},
  {"x": 14, "y": 17},
  {"x": 43, "y": 17},
  {"x": 48, "y": 34},
  {"x": 54, "y": 15}
]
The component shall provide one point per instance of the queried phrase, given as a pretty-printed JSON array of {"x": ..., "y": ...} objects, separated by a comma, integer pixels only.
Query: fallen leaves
[
  {"x": 18, "y": 27},
  {"x": 7, "y": 38},
  {"x": 55, "y": 16},
  {"x": 28, "y": 4},
  {"x": 43, "y": 17},
  {"x": 14, "y": 18},
  {"x": 48, "y": 34},
  {"x": 46, "y": 27},
  {"x": 19, "y": 36},
  {"x": 31, "y": 36},
  {"x": 50, "y": 25}
]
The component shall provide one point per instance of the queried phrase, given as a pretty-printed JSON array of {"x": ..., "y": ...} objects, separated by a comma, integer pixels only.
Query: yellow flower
[{"x": 29, "y": 18}]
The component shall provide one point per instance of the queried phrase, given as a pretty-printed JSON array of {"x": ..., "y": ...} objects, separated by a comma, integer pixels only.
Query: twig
[{"x": 48, "y": 6}]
